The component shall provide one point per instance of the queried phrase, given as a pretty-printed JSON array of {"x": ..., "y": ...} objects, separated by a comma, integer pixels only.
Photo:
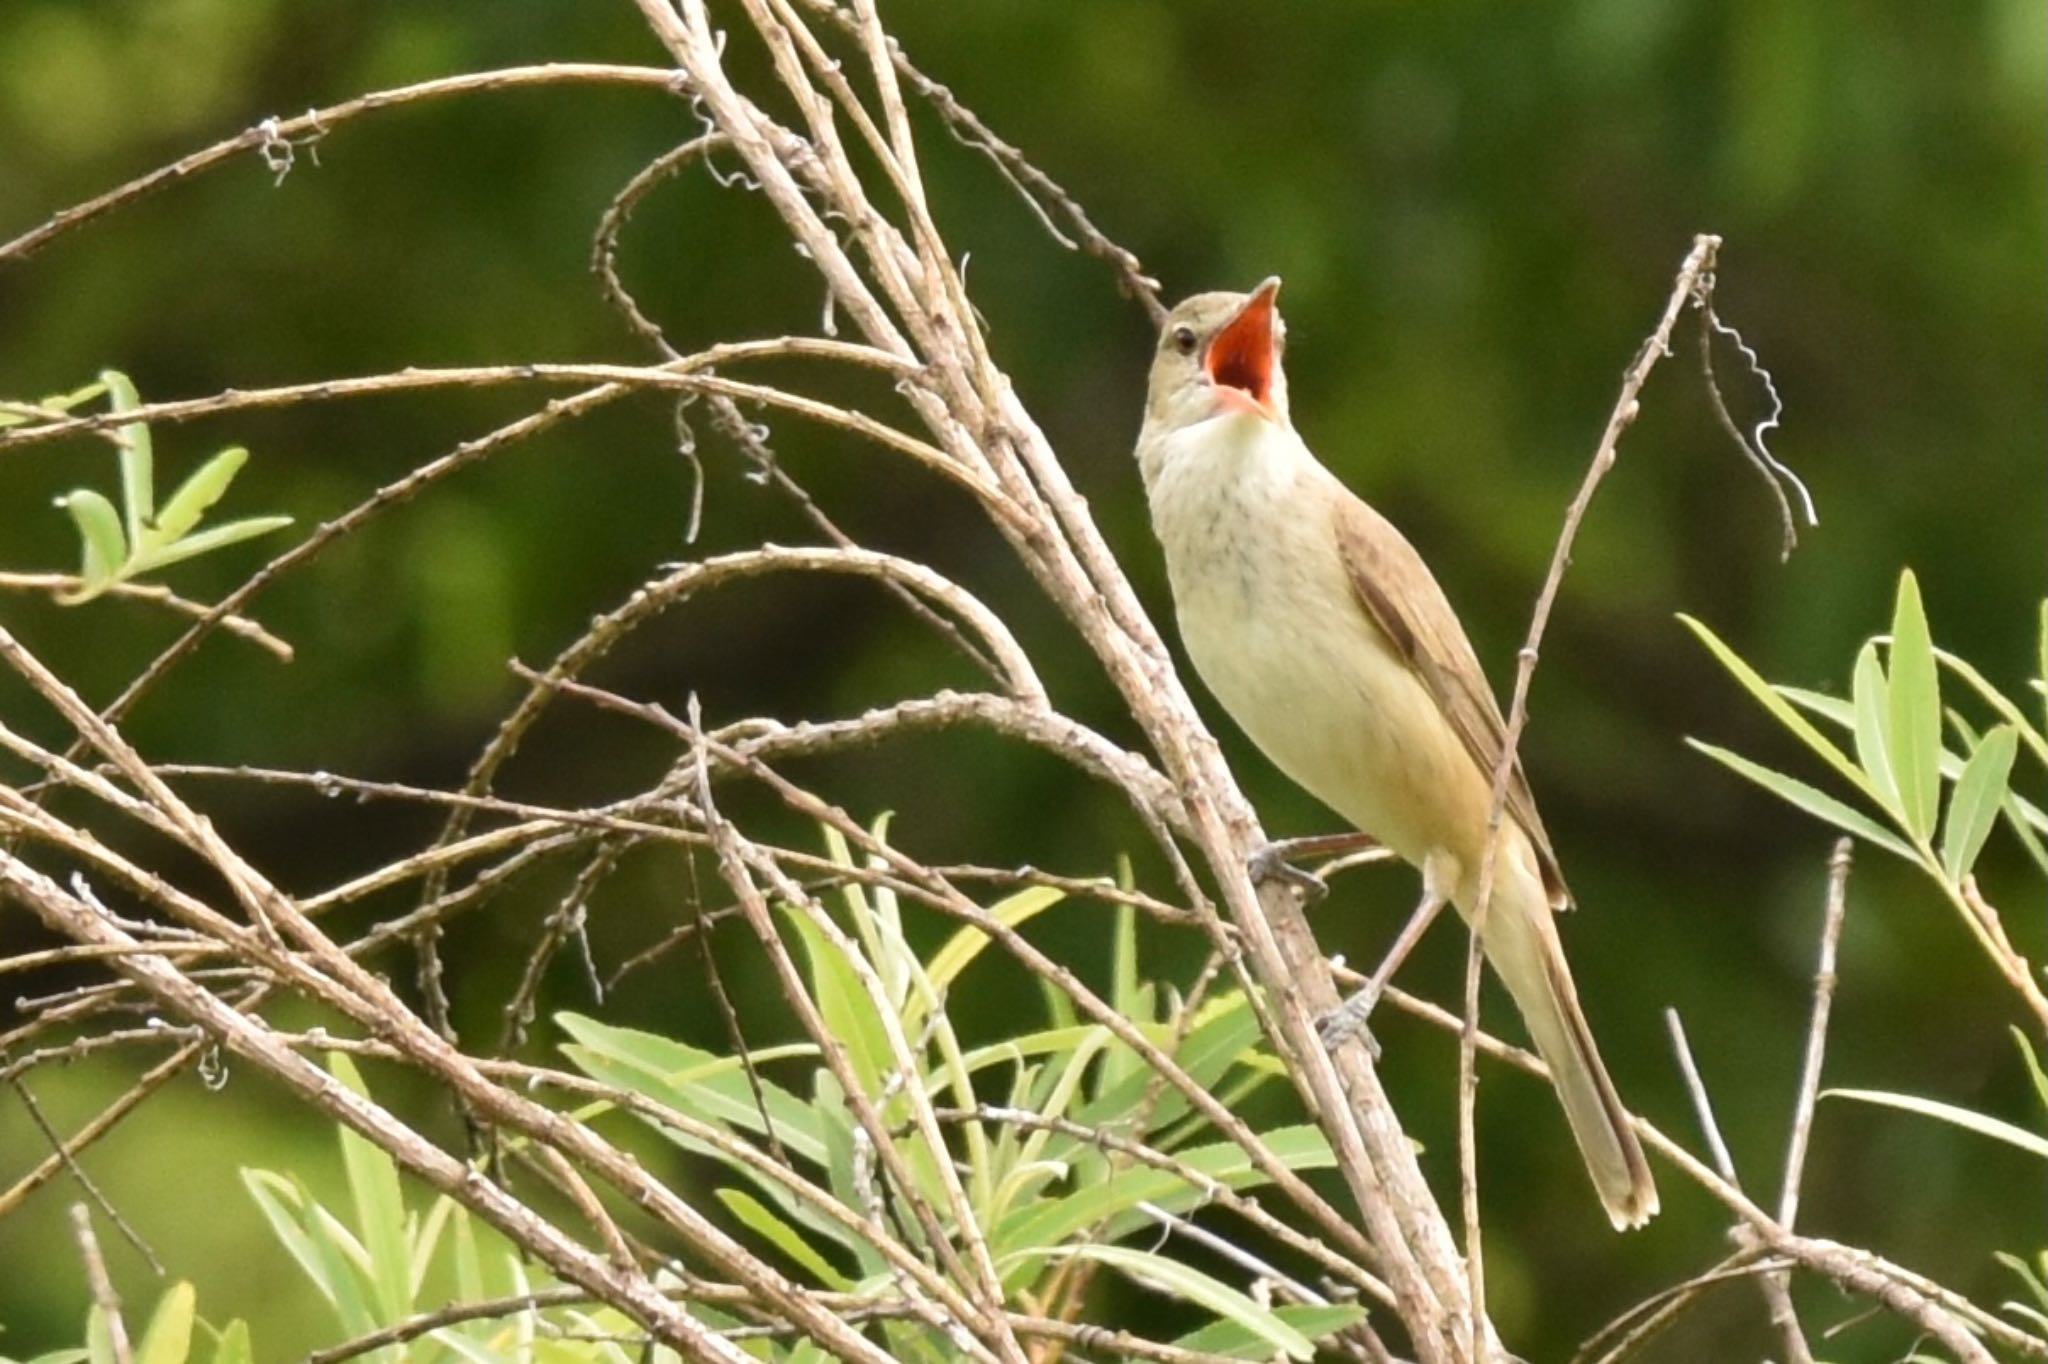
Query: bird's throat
[{"x": 1240, "y": 361}]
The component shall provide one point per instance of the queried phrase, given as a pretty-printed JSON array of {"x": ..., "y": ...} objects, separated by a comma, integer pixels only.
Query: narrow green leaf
[
  {"x": 1913, "y": 711},
  {"x": 99, "y": 1338},
  {"x": 2034, "y": 1071},
  {"x": 1974, "y": 804},
  {"x": 2001, "y": 704},
  {"x": 204, "y": 487},
  {"x": 1968, "y": 1119},
  {"x": 2026, "y": 1275},
  {"x": 138, "y": 460},
  {"x": 1831, "y": 708},
  {"x": 960, "y": 950},
  {"x": 756, "y": 1217},
  {"x": 105, "y": 549},
  {"x": 1126, "y": 996},
  {"x": 469, "y": 1261},
  {"x": 1814, "y": 802},
  {"x": 1225, "y": 1034},
  {"x": 1049, "y": 1222},
  {"x": 1229, "y": 1339},
  {"x": 1203, "y": 1290},
  {"x": 693, "y": 1081},
  {"x": 1070, "y": 1075},
  {"x": 233, "y": 1347},
  {"x": 2019, "y": 818},
  {"x": 206, "y": 541},
  {"x": 2041, "y": 682},
  {"x": 347, "y": 1267},
  {"x": 1869, "y": 716},
  {"x": 379, "y": 1206},
  {"x": 1780, "y": 709},
  {"x": 281, "y": 1203},
  {"x": 426, "y": 1242},
  {"x": 168, "y": 1337},
  {"x": 50, "y": 408},
  {"x": 848, "y": 1009}
]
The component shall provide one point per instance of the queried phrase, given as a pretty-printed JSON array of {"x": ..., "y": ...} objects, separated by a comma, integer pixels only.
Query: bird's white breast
[{"x": 1271, "y": 622}]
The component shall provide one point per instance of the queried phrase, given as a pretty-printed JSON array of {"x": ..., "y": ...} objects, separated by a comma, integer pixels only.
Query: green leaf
[
  {"x": 1968, "y": 1119},
  {"x": 1913, "y": 712},
  {"x": 1318, "y": 1322},
  {"x": 99, "y": 1338},
  {"x": 960, "y": 950},
  {"x": 695, "y": 1082},
  {"x": 1225, "y": 1034},
  {"x": 206, "y": 541},
  {"x": 204, "y": 487},
  {"x": 1815, "y": 802},
  {"x": 105, "y": 548},
  {"x": 1126, "y": 996},
  {"x": 2026, "y": 1276},
  {"x": 426, "y": 1242},
  {"x": 22, "y": 414},
  {"x": 138, "y": 461},
  {"x": 1868, "y": 716},
  {"x": 379, "y": 1206},
  {"x": 2034, "y": 1071},
  {"x": 279, "y": 1202},
  {"x": 347, "y": 1268},
  {"x": 1996, "y": 699},
  {"x": 233, "y": 1347},
  {"x": 1780, "y": 709},
  {"x": 753, "y": 1215},
  {"x": 1050, "y": 1222},
  {"x": 1832, "y": 708},
  {"x": 168, "y": 1337},
  {"x": 1203, "y": 1290},
  {"x": 2042, "y": 680},
  {"x": 1974, "y": 804},
  {"x": 314, "y": 1241},
  {"x": 850, "y": 1012}
]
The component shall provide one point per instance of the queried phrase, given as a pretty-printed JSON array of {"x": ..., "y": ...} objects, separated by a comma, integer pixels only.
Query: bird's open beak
[{"x": 1241, "y": 358}]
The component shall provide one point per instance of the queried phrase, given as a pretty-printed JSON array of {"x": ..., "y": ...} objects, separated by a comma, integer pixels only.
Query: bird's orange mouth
[{"x": 1241, "y": 357}]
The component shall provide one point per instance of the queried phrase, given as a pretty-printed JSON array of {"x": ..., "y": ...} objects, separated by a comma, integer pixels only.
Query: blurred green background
[{"x": 1477, "y": 209}]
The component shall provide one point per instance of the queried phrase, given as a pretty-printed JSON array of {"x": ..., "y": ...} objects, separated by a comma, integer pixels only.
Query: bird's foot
[
  {"x": 1270, "y": 863},
  {"x": 1348, "y": 1020},
  {"x": 1277, "y": 861}
]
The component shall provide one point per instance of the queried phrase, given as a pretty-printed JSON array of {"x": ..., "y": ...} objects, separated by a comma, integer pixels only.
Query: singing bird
[{"x": 1323, "y": 633}]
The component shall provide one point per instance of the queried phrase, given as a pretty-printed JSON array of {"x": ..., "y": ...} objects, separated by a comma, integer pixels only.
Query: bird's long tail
[{"x": 1522, "y": 944}]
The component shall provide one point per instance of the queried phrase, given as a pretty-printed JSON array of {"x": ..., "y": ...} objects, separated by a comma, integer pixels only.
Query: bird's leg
[
  {"x": 1349, "y": 1017},
  {"x": 1276, "y": 860}
]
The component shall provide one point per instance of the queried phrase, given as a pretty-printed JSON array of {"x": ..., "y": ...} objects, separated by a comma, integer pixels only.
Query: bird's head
[{"x": 1220, "y": 354}]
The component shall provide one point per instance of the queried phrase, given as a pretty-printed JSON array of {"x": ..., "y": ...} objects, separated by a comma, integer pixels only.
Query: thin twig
[
  {"x": 1702, "y": 1106},
  {"x": 319, "y": 122},
  {"x": 57, "y": 584},
  {"x": 103, "y": 1295}
]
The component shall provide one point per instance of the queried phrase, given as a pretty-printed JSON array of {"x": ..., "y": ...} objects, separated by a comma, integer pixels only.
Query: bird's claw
[
  {"x": 1348, "y": 1020},
  {"x": 1270, "y": 863}
]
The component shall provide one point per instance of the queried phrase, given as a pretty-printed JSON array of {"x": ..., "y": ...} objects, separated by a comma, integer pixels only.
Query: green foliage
[
  {"x": 165, "y": 1339},
  {"x": 1895, "y": 719},
  {"x": 119, "y": 545},
  {"x": 1040, "y": 1125},
  {"x": 1044, "y": 1190}
]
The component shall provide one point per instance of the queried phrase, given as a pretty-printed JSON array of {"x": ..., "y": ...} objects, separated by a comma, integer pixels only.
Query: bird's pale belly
[{"x": 1311, "y": 680}]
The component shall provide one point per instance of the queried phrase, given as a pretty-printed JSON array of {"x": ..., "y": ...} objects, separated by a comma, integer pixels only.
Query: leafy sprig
[{"x": 121, "y": 544}]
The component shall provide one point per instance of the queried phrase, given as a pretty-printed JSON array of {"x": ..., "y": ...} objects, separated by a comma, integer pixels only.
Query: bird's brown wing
[{"x": 1401, "y": 596}]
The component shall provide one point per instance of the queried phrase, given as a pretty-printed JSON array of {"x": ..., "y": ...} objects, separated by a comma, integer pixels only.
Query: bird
[{"x": 1325, "y": 636}]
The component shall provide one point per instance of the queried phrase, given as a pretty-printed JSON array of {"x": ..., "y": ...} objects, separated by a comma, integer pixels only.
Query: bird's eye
[{"x": 1184, "y": 340}]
